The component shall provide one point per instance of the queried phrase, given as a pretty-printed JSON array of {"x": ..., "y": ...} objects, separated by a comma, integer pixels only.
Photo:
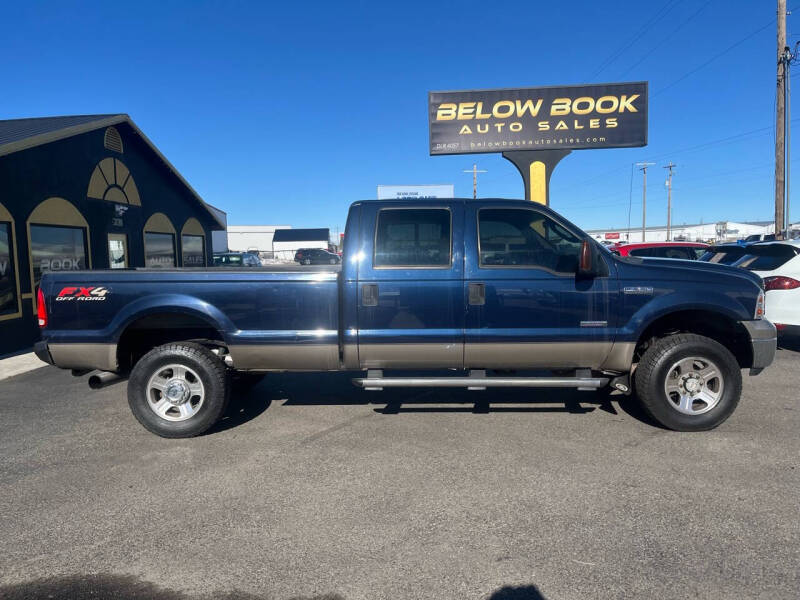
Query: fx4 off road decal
[{"x": 82, "y": 294}]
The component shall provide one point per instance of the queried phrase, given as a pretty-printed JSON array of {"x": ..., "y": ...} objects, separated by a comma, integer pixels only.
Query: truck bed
[{"x": 285, "y": 317}]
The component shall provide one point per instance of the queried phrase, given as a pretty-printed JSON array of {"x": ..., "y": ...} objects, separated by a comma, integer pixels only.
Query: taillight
[
  {"x": 780, "y": 283},
  {"x": 761, "y": 306},
  {"x": 41, "y": 309}
]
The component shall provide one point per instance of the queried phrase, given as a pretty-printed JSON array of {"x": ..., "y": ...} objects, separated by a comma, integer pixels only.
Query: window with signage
[
  {"x": 55, "y": 248},
  {"x": 8, "y": 276},
  {"x": 159, "y": 250},
  {"x": 518, "y": 237},
  {"x": 193, "y": 248},
  {"x": 413, "y": 238}
]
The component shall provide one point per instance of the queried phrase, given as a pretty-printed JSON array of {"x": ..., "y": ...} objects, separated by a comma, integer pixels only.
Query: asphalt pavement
[{"x": 311, "y": 488}]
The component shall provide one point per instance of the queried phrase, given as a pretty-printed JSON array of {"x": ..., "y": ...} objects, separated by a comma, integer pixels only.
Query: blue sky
[{"x": 284, "y": 113}]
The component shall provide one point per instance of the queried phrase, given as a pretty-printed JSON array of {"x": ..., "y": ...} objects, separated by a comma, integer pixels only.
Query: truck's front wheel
[
  {"x": 178, "y": 390},
  {"x": 688, "y": 382}
]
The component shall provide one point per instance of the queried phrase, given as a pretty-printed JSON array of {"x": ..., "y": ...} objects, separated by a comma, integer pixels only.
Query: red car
[{"x": 684, "y": 250}]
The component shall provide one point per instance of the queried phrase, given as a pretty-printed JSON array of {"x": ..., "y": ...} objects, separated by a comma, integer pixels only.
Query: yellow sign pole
[{"x": 536, "y": 167}]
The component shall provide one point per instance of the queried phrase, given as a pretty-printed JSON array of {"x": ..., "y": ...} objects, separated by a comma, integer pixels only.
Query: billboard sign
[
  {"x": 609, "y": 115},
  {"x": 612, "y": 236},
  {"x": 415, "y": 192}
]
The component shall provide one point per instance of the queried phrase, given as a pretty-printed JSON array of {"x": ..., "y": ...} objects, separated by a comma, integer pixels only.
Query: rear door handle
[
  {"x": 477, "y": 294},
  {"x": 369, "y": 294}
]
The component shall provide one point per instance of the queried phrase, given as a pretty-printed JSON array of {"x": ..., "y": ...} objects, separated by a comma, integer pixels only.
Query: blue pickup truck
[{"x": 471, "y": 293}]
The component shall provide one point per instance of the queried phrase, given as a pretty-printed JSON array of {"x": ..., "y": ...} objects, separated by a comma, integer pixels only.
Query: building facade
[
  {"x": 87, "y": 192},
  {"x": 286, "y": 242},
  {"x": 721, "y": 231},
  {"x": 253, "y": 238}
]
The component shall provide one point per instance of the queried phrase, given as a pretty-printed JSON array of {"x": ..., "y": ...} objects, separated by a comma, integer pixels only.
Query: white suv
[{"x": 778, "y": 264}]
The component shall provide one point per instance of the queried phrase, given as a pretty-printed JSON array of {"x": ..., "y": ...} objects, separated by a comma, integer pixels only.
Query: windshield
[{"x": 767, "y": 257}]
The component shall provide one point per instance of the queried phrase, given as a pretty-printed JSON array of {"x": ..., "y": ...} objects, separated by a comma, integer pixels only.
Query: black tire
[
  {"x": 307, "y": 261},
  {"x": 209, "y": 369},
  {"x": 656, "y": 365},
  {"x": 334, "y": 261}
]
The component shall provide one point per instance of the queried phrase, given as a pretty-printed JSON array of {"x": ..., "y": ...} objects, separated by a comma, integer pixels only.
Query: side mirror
[{"x": 586, "y": 266}]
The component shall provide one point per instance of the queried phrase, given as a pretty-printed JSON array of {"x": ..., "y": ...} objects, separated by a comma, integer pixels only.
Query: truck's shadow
[
  {"x": 313, "y": 389},
  {"x": 791, "y": 343}
]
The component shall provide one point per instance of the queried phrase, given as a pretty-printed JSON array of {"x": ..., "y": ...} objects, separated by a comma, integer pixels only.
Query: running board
[{"x": 583, "y": 383}]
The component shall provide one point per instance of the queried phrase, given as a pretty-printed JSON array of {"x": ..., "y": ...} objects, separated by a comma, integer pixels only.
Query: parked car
[
  {"x": 778, "y": 264},
  {"x": 724, "y": 254},
  {"x": 759, "y": 237},
  {"x": 236, "y": 259},
  {"x": 316, "y": 256},
  {"x": 682, "y": 250},
  {"x": 485, "y": 293}
]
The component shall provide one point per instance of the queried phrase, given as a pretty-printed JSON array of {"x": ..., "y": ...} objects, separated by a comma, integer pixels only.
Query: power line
[
  {"x": 713, "y": 58},
  {"x": 663, "y": 41},
  {"x": 696, "y": 147},
  {"x": 644, "y": 29}
]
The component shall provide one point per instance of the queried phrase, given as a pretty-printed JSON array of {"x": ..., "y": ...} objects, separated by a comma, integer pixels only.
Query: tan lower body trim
[
  {"x": 535, "y": 355},
  {"x": 410, "y": 356},
  {"x": 620, "y": 357},
  {"x": 286, "y": 357},
  {"x": 84, "y": 356}
]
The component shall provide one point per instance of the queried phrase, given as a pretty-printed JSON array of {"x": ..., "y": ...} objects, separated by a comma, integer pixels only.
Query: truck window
[
  {"x": 418, "y": 237},
  {"x": 518, "y": 237}
]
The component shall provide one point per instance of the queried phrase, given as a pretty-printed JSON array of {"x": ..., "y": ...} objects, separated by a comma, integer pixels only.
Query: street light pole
[
  {"x": 670, "y": 166},
  {"x": 643, "y": 168}
]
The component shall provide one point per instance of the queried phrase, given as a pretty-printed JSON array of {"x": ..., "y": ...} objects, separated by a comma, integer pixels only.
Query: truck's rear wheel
[
  {"x": 688, "y": 382},
  {"x": 178, "y": 390}
]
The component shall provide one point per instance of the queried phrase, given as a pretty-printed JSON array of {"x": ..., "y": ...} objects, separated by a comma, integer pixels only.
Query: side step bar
[{"x": 378, "y": 383}]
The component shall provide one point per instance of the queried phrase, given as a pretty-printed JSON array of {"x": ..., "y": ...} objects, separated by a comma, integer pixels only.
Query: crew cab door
[
  {"x": 410, "y": 286},
  {"x": 526, "y": 308}
]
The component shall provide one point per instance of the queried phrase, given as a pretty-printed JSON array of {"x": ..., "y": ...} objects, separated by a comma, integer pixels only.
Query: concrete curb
[{"x": 16, "y": 365}]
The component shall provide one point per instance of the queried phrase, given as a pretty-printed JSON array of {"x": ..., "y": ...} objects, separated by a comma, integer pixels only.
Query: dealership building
[{"x": 88, "y": 192}]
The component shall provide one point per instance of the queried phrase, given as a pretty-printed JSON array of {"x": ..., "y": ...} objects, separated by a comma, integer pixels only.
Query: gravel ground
[{"x": 314, "y": 489}]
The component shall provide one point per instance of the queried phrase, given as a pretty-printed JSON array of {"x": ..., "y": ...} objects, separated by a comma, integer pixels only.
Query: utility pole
[
  {"x": 643, "y": 168},
  {"x": 670, "y": 166},
  {"x": 474, "y": 170},
  {"x": 780, "y": 123}
]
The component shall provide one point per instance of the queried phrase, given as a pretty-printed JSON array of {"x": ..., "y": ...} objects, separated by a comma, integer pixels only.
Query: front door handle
[
  {"x": 369, "y": 294},
  {"x": 477, "y": 294}
]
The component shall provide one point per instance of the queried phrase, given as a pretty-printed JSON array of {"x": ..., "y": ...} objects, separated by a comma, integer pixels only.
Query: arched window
[
  {"x": 9, "y": 269},
  {"x": 111, "y": 180},
  {"x": 159, "y": 242},
  {"x": 193, "y": 244},
  {"x": 58, "y": 239}
]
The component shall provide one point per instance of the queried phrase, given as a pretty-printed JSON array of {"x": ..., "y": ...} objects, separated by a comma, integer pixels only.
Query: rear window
[
  {"x": 724, "y": 256},
  {"x": 413, "y": 238},
  {"x": 767, "y": 257},
  {"x": 682, "y": 252}
]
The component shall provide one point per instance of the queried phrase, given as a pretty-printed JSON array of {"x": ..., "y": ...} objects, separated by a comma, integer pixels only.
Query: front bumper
[{"x": 764, "y": 342}]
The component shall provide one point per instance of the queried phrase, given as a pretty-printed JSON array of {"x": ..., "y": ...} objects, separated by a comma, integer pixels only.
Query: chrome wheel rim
[
  {"x": 175, "y": 392},
  {"x": 694, "y": 385}
]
